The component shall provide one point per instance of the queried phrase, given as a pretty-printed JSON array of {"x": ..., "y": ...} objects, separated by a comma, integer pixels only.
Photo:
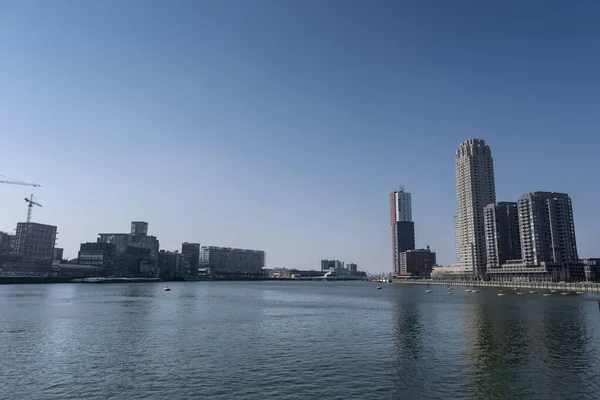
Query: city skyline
[{"x": 243, "y": 126}]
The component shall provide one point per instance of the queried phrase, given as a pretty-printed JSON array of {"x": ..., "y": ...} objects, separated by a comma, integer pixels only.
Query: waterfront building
[
  {"x": 456, "y": 237},
  {"x": 191, "y": 252},
  {"x": 57, "y": 254},
  {"x": 138, "y": 238},
  {"x": 403, "y": 227},
  {"x": 6, "y": 243},
  {"x": 35, "y": 241},
  {"x": 417, "y": 263},
  {"x": 228, "y": 261},
  {"x": 547, "y": 228},
  {"x": 97, "y": 254},
  {"x": 475, "y": 189},
  {"x": 353, "y": 268},
  {"x": 502, "y": 237},
  {"x": 548, "y": 243},
  {"x": 172, "y": 264},
  {"x": 328, "y": 265}
]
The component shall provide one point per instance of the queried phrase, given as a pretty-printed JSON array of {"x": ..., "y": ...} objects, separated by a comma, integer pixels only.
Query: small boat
[
  {"x": 474, "y": 291},
  {"x": 564, "y": 293},
  {"x": 579, "y": 292},
  {"x": 547, "y": 294},
  {"x": 378, "y": 287},
  {"x": 429, "y": 291},
  {"x": 449, "y": 292},
  {"x": 501, "y": 294},
  {"x": 450, "y": 289},
  {"x": 167, "y": 289},
  {"x": 520, "y": 293},
  {"x": 468, "y": 290},
  {"x": 533, "y": 291},
  {"x": 553, "y": 291}
]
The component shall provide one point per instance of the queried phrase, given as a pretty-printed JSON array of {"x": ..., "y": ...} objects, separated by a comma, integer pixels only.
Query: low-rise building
[
  {"x": 417, "y": 263},
  {"x": 227, "y": 261}
]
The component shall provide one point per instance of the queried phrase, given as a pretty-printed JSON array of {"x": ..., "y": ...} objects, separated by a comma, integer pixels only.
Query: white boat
[
  {"x": 474, "y": 291},
  {"x": 428, "y": 290}
]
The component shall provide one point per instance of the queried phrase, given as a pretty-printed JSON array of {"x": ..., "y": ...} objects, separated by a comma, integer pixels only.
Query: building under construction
[{"x": 35, "y": 241}]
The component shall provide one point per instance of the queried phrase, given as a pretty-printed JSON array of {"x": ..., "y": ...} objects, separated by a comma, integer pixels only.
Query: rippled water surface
[{"x": 294, "y": 340}]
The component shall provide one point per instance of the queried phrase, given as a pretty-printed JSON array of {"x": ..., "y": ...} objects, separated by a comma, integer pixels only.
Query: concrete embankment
[
  {"x": 567, "y": 287},
  {"x": 14, "y": 280}
]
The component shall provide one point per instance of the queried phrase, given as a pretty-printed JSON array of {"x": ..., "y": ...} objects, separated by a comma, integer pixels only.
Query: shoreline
[{"x": 592, "y": 287}]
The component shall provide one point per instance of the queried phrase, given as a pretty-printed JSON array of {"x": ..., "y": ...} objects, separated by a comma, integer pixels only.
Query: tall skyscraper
[
  {"x": 502, "y": 240},
  {"x": 547, "y": 228},
  {"x": 403, "y": 227},
  {"x": 475, "y": 189}
]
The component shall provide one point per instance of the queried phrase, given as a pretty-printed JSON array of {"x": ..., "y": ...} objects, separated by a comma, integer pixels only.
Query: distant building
[
  {"x": 58, "y": 254},
  {"x": 6, "y": 243},
  {"x": 279, "y": 273},
  {"x": 139, "y": 228},
  {"x": 172, "y": 265},
  {"x": 102, "y": 255},
  {"x": 417, "y": 262},
  {"x": 475, "y": 189},
  {"x": 403, "y": 227},
  {"x": 139, "y": 238},
  {"x": 547, "y": 228},
  {"x": 353, "y": 268},
  {"x": 35, "y": 241},
  {"x": 191, "y": 252},
  {"x": 548, "y": 243},
  {"x": 327, "y": 265},
  {"x": 229, "y": 262},
  {"x": 502, "y": 237}
]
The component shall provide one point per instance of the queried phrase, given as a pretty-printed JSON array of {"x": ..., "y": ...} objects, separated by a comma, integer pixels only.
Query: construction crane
[
  {"x": 12, "y": 181},
  {"x": 32, "y": 202}
]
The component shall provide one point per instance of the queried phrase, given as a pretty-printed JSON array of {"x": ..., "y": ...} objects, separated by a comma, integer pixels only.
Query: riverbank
[
  {"x": 569, "y": 287},
  {"x": 19, "y": 280}
]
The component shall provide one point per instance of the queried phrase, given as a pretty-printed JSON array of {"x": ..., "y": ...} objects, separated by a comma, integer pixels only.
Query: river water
[{"x": 294, "y": 340}]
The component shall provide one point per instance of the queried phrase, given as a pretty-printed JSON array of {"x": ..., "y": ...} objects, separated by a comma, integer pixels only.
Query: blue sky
[{"x": 284, "y": 125}]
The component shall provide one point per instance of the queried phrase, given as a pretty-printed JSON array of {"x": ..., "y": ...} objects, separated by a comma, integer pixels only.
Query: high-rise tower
[
  {"x": 547, "y": 228},
  {"x": 403, "y": 227},
  {"x": 475, "y": 189},
  {"x": 503, "y": 242}
]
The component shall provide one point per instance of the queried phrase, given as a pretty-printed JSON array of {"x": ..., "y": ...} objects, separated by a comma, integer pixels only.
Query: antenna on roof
[{"x": 401, "y": 187}]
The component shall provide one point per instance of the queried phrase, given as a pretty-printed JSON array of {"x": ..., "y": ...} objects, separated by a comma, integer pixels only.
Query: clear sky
[{"x": 284, "y": 125}]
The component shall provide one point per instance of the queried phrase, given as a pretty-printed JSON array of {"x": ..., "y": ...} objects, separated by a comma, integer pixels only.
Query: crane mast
[{"x": 31, "y": 202}]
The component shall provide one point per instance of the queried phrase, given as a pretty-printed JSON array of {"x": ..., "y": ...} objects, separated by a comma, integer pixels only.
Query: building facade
[
  {"x": 403, "y": 227},
  {"x": 140, "y": 239},
  {"x": 191, "y": 251},
  {"x": 353, "y": 268},
  {"x": 230, "y": 262},
  {"x": 417, "y": 263},
  {"x": 6, "y": 243},
  {"x": 58, "y": 254},
  {"x": 102, "y": 255},
  {"x": 547, "y": 228},
  {"x": 35, "y": 241},
  {"x": 502, "y": 238},
  {"x": 328, "y": 265},
  {"x": 475, "y": 189},
  {"x": 173, "y": 265}
]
